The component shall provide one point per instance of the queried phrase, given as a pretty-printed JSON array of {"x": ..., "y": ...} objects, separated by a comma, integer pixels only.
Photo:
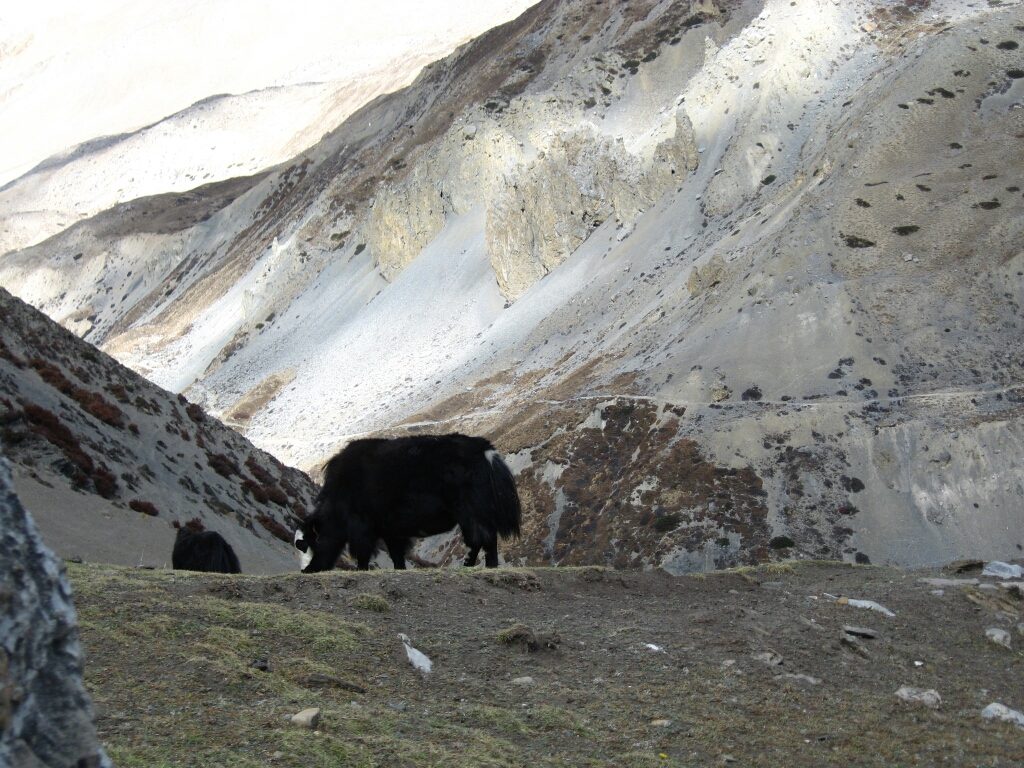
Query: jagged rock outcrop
[
  {"x": 551, "y": 205},
  {"x": 46, "y": 716}
]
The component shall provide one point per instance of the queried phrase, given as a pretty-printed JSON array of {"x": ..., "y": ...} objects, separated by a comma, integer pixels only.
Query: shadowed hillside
[{"x": 106, "y": 461}]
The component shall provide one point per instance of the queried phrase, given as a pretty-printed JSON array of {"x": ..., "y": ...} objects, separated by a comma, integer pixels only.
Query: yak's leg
[
  {"x": 362, "y": 550},
  {"x": 396, "y": 548},
  {"x": 470, "y": 560},
  {"x": 491, "y": 549}
]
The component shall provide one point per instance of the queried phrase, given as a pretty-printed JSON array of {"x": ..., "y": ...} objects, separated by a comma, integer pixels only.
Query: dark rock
[
  {"x": 754, "y": 393},
  {"x": 853, "y": 241},
  {"x": 964, "y": 566},
  {"x": 852, "y": 643},
  {"x": 865, "y": 632},
  {"x": 46, "y": 716},
  {"x": 319, "y": 680}
]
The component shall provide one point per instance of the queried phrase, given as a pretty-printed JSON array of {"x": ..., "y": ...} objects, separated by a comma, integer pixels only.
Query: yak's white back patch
[{"x": 491, "y": 455}]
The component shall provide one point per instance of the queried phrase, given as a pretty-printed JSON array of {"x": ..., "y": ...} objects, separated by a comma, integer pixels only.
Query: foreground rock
[
  {"x": 1002, "y": 713},
  {"x": 307, "y": 718},
  {"x": 45, "y": 712},
  {"x": 998, "y": 636},
  {"x": 927, "y": 698}
]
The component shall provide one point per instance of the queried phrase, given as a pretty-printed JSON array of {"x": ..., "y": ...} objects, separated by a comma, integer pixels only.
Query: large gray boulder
[{"x": 46, "y": 716}]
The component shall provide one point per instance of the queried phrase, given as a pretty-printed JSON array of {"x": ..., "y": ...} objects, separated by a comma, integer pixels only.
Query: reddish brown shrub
[
  {"x": 255, "y": 490},
  {"x": 195, "y": 412},
  {"x": 119, "y": 392},
  {"x": 275, "y": 528},
  {"x": 221, "y": 464},
  {"x": 8, "y": 355},
  {"x": 195, "y": 525},
  {"x": 276, "y": 495},
  {"x": 145, "y": 508},
  {"x": 105, "y": 482},
  {"x": 52, "y": 375},
  {"x": 259, "y": 472},
  {"x": 48, "y": 426},
  {"x": 94, "y": 403}
]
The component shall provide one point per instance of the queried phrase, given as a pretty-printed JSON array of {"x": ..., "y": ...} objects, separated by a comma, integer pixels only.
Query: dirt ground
[{"x": 549, "y": 667}]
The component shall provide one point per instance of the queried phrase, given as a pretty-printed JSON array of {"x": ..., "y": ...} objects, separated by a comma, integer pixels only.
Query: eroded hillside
[{"x": 724, "y": 280}]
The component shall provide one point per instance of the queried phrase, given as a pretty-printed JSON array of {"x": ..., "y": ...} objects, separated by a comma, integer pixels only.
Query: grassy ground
[{"x": 200, "y": 670}]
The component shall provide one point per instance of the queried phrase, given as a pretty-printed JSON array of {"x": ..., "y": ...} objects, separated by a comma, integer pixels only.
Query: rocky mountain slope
[
  {"x": 109, "y": 461},
  {"x": 724, "y": 280},
  {"x": 263, "y": 86}
]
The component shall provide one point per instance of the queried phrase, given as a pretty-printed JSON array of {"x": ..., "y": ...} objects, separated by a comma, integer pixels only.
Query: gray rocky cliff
[{"x": 45, "y": 712}]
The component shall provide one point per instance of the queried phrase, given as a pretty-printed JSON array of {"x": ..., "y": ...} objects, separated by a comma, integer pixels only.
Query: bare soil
[{"x": 624, "y": 668}]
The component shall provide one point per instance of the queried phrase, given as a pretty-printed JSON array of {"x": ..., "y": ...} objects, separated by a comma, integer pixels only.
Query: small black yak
[
  {"x": 395, "y": 490},
  {"x": 203, "y": 551}
]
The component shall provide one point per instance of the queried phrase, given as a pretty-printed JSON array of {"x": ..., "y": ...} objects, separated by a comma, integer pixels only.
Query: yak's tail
[
  {"x": 507, "y": 510},
  {"x": 231, "y": 560}
]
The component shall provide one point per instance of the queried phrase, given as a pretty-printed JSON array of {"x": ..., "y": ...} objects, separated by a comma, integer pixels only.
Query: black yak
[
  {"x": 394, "y": 490},
  {"x": 203, "y": 551}
]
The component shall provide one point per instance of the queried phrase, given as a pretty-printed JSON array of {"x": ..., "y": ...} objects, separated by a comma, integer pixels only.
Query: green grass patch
[{"x": 371, "y": 602}]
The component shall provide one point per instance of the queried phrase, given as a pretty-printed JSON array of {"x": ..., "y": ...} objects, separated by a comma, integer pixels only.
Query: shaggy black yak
[
  {"x": 203, "y": 551},
  {"x": 394, "y": 490}
]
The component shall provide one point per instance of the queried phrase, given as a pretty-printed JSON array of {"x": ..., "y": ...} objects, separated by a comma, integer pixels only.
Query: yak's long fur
[{"x": 395, "y": 490}]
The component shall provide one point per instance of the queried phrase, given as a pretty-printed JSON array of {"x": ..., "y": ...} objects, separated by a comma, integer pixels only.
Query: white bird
[{"x": 417, "y": 658}]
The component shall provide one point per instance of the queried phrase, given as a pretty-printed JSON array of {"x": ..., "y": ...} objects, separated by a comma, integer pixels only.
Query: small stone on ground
[
  {"x": 307, "y": 718},
  {"x": 998, "y": 636},
  {"x": 1002, "y": 713},
  {"x": 929, "y": 698}
]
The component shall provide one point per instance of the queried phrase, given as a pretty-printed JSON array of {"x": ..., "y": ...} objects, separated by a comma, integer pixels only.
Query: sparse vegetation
[
  {"x": 145, "y": 507},
  {"x": 105, "y": 482},
  {"x": 221, "y": 464},
  {"x": 274, "y": 527},
  {"x": 603, "y": 698},
  {"x": 92, "y": 402},
  {"x": 48, "y": 425},
  {"x": 667, "y": 522},
  {"x": 371, "y": 602}
]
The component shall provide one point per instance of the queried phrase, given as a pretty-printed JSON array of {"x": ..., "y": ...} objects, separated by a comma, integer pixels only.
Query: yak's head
[{"x": 318, "y": 551}]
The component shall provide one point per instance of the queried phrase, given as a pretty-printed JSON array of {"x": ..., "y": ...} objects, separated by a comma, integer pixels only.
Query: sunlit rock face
[
  {"x": 46, "y": 715},
  {"x": 728, "y": 281},
  {"x": 550, "y": 206}
]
